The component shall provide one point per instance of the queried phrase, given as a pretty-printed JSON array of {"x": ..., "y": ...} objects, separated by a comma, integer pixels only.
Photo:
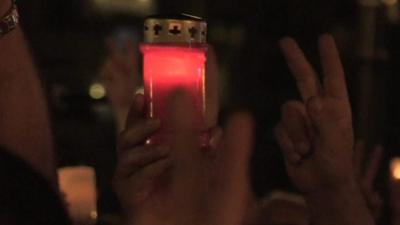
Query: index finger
[
  {"x": 303, "y": 72},
  {"x": 334, "y": 80}
]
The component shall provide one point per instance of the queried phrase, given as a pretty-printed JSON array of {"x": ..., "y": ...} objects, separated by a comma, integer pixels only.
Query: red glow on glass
[{"x": 168, "y": 68}]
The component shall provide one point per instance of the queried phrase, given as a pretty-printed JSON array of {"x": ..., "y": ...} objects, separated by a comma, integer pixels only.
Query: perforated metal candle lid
[{"x": 175, "y": 29}]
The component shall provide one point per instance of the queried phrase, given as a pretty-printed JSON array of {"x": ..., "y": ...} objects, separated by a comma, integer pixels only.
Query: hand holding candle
[{"x": 157, "y": 183}]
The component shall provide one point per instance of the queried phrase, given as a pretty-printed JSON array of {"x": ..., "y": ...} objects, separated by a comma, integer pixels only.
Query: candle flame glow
[{"x": 167, "y": 69}]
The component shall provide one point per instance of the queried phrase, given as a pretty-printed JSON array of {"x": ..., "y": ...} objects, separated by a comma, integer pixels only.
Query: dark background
[{"x": 67, "y": 40}]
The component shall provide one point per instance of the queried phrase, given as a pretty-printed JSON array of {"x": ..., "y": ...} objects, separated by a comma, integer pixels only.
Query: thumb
[
  {"x": 182, "y": 113},
  {"x": 182, "y": 124}
]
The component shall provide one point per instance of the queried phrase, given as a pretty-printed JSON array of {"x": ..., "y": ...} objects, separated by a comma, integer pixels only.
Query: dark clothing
[{"x": 26, "y": 198}]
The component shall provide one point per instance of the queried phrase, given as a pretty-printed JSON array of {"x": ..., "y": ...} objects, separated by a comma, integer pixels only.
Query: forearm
[
  {"x": 340, "y": 207},
  {"x": 24, "y": 119}
]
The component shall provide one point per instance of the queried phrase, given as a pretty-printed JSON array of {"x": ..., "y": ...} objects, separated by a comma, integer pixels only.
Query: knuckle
[
  {"x": 291, "y": 105},
  {"x": 304, "y": 80}
]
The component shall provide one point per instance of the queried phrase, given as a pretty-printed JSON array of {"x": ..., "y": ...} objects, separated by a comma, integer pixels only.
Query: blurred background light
[
  {"x": 395, "y": 168},
  {"x": 93, "y": 215},
  {"x": 97, "y": 91}
]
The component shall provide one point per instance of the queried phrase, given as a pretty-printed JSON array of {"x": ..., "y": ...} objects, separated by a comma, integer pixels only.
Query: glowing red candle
[{"x": 174, "y": 57}]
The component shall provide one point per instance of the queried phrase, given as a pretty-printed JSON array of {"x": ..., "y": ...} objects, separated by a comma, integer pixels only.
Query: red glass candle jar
[{"x": 174, "y": 57}]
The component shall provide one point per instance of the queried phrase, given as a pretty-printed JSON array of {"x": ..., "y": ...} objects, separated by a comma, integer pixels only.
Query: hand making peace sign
[{"x": 316, "y": 134}]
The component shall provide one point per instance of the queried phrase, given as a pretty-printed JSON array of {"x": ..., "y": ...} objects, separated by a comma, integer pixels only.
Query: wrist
[{"x": 340, "y": 205}]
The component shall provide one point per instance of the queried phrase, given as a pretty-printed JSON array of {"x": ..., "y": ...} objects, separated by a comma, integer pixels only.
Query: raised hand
[
  {"x": 316, "y": 134},
  {"x": 317, "y": 140},
  {"x": 213, "y": 192},
  {"x": 150, "y": 180},
  {"x": 182, "y": 184}
]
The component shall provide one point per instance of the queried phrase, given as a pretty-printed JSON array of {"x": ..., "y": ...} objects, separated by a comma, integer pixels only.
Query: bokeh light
[
  {"x": 97, "y": 91},
  {"x": 395, "y": 168}
]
